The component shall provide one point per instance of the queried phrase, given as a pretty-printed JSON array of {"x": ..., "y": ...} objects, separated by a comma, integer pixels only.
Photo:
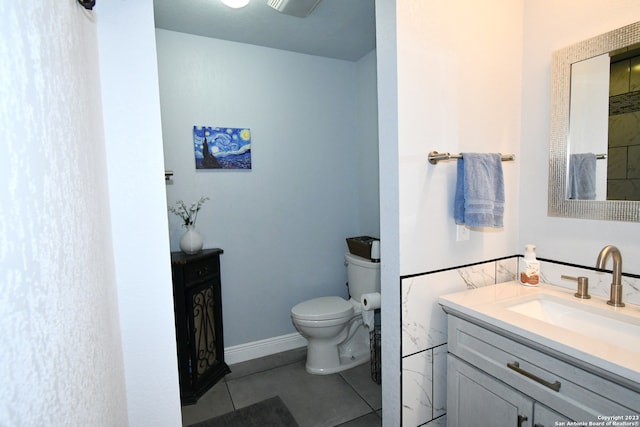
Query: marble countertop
[{"x": 489, "y": 305}]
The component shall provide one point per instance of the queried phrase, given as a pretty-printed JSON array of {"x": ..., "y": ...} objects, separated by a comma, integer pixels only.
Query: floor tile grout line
[
  {"x": 226, "y": 385},
  {"x": 356, "y": 418},
  {"x": 262, "y": 371},
  {"x": 226, "y": 381},
  {"x": 344, "y": 380},
  {"x": 357, "y": 393}
]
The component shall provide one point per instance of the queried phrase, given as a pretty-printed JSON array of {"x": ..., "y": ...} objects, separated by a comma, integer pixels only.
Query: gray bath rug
[{"x": 270, "y": 412}]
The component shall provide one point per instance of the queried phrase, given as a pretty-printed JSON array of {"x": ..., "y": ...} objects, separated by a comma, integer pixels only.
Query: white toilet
[{"x": 337, "y": 337}]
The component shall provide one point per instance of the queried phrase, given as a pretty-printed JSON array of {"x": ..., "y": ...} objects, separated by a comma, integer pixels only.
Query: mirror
[{"x": 575, "y": 133}]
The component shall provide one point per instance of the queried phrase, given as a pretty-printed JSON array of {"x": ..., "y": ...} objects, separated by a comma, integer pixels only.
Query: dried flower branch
[{"x": 188, "y": 215}]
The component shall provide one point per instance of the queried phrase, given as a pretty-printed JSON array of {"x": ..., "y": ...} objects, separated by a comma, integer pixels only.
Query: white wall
[
  {"x": 459, "y": 85},
  {"x": 387, "y": 50},
  {"x": 367, "y": 151},
  {"x": 129, "y": 79},
  {"x": 61, "y": 357},
  {"x": 474, "y": 76},
  {"x": 551, "y": 25},
  {"x": 282, "y": 224}
]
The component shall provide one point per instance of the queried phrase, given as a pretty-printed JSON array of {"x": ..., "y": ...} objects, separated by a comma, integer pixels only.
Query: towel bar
[{"x": 435, "y": 157}]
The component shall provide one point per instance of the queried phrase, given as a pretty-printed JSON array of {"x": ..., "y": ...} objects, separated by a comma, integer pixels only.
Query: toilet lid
[{"x": 323, "y": 308}]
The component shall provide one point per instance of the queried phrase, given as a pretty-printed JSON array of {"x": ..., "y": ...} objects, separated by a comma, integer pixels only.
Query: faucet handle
[{"x": 583, "y": 286}]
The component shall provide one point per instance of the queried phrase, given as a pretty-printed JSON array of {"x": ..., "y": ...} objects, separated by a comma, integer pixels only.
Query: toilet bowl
[
  {"x": 336, "y": 335},
  {"x": 337, "y": 338}
]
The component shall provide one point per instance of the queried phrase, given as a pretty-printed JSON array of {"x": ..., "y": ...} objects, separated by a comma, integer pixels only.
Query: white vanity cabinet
[
  {"x": 477, "y": 399},
  {"x": 498, "y": 380},
  {"x": 544, "y": 416}
]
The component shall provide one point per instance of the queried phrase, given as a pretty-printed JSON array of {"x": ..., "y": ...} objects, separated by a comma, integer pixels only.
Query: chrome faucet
[{"x": 615, "y": 299}]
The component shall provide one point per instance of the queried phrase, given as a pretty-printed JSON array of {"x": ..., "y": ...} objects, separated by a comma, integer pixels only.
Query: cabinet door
[
  {"x": 206, "y": 350},
  {"x": 474, "y": 399},
  {"x": 546, "y": 417}
]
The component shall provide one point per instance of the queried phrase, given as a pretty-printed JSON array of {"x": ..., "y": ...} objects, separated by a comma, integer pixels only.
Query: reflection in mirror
[
  {"x": 623, "y": 179},
  {"x": 588, "y": 124},
  {"x": 605, "y": 123},
  {"x": 594, "y": 158}
]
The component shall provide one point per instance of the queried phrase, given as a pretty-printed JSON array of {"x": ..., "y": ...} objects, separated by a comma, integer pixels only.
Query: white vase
[{"x": 191, "y": 242}]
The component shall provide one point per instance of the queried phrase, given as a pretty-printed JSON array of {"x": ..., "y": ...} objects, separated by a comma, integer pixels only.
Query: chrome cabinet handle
[
  {"x": 521, "y": 419},
  {"x": 516, "y": 367}
]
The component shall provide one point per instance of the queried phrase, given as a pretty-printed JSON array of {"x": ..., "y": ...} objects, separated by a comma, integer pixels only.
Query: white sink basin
[{"x": 601, "y": 324}]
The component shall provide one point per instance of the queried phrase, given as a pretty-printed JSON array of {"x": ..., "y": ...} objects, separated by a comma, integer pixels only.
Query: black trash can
[{"x": 375, "y": 344}]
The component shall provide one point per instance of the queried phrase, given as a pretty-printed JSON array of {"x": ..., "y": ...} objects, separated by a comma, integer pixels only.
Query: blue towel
[
  {"x": 479, "y": 200},
  {"x": 582, "y": 176}
]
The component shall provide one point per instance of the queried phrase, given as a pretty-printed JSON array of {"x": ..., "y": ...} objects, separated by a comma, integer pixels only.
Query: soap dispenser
[{"x": 530, "y": 267}]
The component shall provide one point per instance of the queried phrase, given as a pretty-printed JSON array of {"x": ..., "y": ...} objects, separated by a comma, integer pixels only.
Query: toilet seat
[{"x": 323, "y": 308}]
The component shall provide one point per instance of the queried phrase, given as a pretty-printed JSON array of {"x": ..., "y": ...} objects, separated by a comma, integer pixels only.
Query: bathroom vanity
[
  {"x": 198, "y": 316},
  {"x": 537, "y": 357}
]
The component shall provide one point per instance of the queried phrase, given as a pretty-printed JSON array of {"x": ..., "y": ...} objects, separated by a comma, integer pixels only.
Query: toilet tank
[{"x": 363, "y": 275}]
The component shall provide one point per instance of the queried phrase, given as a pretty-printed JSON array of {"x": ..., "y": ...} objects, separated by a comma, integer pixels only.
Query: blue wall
[{"x": 282, "y": 224}]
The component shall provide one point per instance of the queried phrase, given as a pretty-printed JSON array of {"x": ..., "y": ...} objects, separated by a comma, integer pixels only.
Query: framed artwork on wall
[{"x": 222, "y": 147}]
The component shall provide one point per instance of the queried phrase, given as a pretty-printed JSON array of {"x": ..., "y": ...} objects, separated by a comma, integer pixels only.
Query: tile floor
[{"x": 346, "y": 399}]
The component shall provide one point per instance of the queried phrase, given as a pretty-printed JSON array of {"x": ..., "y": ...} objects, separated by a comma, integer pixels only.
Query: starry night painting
[{"x": 222, "y": 148}]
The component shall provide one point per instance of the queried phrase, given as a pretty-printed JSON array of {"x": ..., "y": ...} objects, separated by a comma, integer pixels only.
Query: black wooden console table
[{"x": 198, "y": 315}]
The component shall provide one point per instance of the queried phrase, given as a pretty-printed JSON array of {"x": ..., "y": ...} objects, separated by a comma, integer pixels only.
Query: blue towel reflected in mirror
[{"x": 582, "y": 177}]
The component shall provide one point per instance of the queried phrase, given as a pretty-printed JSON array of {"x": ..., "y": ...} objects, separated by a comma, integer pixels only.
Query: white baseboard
[{"x": 253, "y": 350}]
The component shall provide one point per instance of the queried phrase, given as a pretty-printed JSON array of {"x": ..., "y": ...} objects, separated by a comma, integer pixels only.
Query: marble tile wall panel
[
  {"x": 417, "y": 388},
  {"x": 439, "y": 422},
  {"x": 424, "y": 326},
  {"x": 424, "y": 386},
  {"x": 599, "y": 282},
  {"x": 423, "y": 321},
  {"x": 507, "y": 270},
  {"x": 424, "y": 336}
]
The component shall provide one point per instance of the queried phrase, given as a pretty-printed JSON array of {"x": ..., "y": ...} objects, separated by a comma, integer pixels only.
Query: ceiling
[{"x": 341, "y": 29}]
